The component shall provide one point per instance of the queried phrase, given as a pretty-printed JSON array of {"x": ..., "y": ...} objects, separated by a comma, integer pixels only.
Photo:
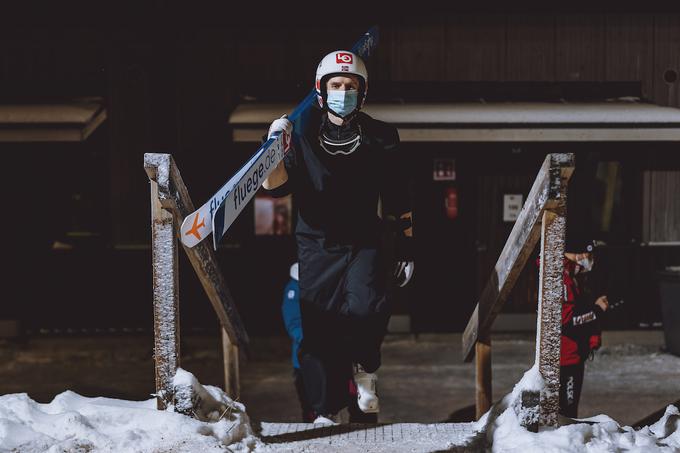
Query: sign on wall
[
  {"x": 444, "y": 170},
  {"x": 512, "y": 205}
]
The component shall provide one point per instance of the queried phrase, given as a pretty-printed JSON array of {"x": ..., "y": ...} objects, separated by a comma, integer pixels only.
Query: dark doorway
[
  {"x": 444, "y": 217},
  {"x": 457, "y": 248}
]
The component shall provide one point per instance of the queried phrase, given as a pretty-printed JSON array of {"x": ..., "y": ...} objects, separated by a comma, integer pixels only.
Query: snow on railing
[
  {"x": 543, "y": 216},
  {"x": 170, "y": 203}
]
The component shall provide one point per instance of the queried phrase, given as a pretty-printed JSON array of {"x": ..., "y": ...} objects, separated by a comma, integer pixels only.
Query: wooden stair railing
[
  {"x": 543, "y": 216},
  {"x": 170, "y": 203}
]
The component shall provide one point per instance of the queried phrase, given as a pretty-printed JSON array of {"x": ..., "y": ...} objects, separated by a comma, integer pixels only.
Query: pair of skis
[{"x": 221, "y": 210}]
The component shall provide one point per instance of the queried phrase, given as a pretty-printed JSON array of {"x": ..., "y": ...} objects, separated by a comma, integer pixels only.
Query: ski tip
[
  {"x": 194, "y": 229},
  {"x": 367, "y": 44}
]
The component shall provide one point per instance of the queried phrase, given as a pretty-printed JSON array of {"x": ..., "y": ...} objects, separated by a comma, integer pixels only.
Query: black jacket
[{"x": 337, "y": 195}]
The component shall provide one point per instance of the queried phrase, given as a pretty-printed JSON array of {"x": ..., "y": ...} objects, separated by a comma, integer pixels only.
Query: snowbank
[
  {"x": 75, "y": 423},
  {"x": 593, "y": 435}
]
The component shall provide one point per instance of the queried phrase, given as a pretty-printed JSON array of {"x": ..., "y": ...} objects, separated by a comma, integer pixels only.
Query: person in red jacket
[{"x": 581, "y": 327}]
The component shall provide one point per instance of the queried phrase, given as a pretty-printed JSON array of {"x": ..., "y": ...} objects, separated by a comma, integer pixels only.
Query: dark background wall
[{"x": 170, "y": 76}]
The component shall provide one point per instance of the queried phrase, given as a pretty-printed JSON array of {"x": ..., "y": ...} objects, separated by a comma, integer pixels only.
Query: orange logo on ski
[{"x": 195, "y": 227}]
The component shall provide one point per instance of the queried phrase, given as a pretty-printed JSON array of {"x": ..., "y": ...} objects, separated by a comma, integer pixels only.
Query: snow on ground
[
  {"x": 78, "y": 424},
  {"x": 599, "y": 434}
]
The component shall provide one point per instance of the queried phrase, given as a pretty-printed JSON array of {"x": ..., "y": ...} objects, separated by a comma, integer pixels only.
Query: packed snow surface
[{"x": 74, "y": 423}]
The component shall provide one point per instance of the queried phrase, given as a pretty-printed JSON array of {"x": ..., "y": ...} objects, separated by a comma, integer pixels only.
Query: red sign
[{"x": 342, "y": 57}]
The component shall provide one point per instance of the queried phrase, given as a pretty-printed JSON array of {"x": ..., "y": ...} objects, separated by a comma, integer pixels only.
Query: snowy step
[{"x": 365, "y": 438}]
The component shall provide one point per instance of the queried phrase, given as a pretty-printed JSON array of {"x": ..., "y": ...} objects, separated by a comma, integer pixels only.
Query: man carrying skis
[{"x": 338, "y": 167}]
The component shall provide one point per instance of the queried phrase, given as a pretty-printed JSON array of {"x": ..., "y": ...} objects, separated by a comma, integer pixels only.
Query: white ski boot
[
  {"x": 367, "y": 399},
  {"x": 324, "y": 421}
]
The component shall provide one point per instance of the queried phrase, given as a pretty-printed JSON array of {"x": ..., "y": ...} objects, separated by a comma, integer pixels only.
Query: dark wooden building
[{"x": 510, "y": 87}]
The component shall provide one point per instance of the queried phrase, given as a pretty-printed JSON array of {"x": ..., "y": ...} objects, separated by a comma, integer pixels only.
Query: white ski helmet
[{"x": 340, "y": 62}]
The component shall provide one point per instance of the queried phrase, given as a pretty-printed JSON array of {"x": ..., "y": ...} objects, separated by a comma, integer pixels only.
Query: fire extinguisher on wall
[{"x": 451, "y": 202}]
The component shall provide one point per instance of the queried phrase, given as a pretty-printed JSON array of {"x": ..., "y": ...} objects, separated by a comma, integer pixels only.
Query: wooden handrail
[
  {"x": 170, "y": 204},
  {"x": 174, "y": 196},
  {"x": 523, "y": 238}
]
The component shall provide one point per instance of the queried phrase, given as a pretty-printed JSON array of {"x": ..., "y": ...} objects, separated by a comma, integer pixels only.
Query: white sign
[
  {"x": 512, "y": 205},
  {"x": 444, "y": 170}
]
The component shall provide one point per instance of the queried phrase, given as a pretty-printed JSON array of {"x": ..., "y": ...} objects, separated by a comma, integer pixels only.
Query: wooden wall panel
[
  {"x": 264, "y": 54},
  {"x": 579, "y": 47},
  {"x": 475, "y": 47},
  {"x": 661, "y": 212},
  {"x": 207, "y": 92},
  {"x": 510, "y": 174},
  {"x": 629, "y": 49},
  {"x": 380, "y": 64},
  {"x": 128, "y": 110},
  {"x": 311, "y": 44},
  {"x": 418, "y": 52},
  {"x": 530, "y": 47},
  {"x": 667, "y": 58},
  {"x": 314, "y": 42}
]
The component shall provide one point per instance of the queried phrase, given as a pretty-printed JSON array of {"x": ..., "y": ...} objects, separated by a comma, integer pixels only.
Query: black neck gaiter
[{"x": 340, "y": 140}]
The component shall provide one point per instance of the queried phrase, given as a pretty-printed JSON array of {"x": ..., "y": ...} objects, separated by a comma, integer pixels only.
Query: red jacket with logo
[{"x": 581, "y": 328}]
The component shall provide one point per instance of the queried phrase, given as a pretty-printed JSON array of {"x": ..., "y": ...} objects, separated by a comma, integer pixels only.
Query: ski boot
[
  {"x": 367, "y": 399},
  {"x": 325, "y": 420}
]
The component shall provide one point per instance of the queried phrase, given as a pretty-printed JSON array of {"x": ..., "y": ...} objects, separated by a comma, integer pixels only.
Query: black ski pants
[
  {"x": 344, "y": 304},
  {"x": 571, "y": 383}
]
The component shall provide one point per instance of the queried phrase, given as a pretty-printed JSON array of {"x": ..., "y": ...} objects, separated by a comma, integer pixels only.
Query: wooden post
[
  {"x": 170, "y": 203},
  {"x": 230, "y": 358},
  {"x": 165, "y": 298},
  {"x": 550, "y": 297},
  {"x": 543, "y": 215},
  {"x": 551, "y": 293},
  {"x": 484, "y": 396}
]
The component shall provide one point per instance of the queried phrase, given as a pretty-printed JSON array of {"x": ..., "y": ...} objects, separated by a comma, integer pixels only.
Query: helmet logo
[
  {"x": 342, "y": 57},
  {"x": 344, "y": 68}
]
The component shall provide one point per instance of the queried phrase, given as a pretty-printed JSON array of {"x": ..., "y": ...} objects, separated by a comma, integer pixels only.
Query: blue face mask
[{"x": 342, "y": 102}]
